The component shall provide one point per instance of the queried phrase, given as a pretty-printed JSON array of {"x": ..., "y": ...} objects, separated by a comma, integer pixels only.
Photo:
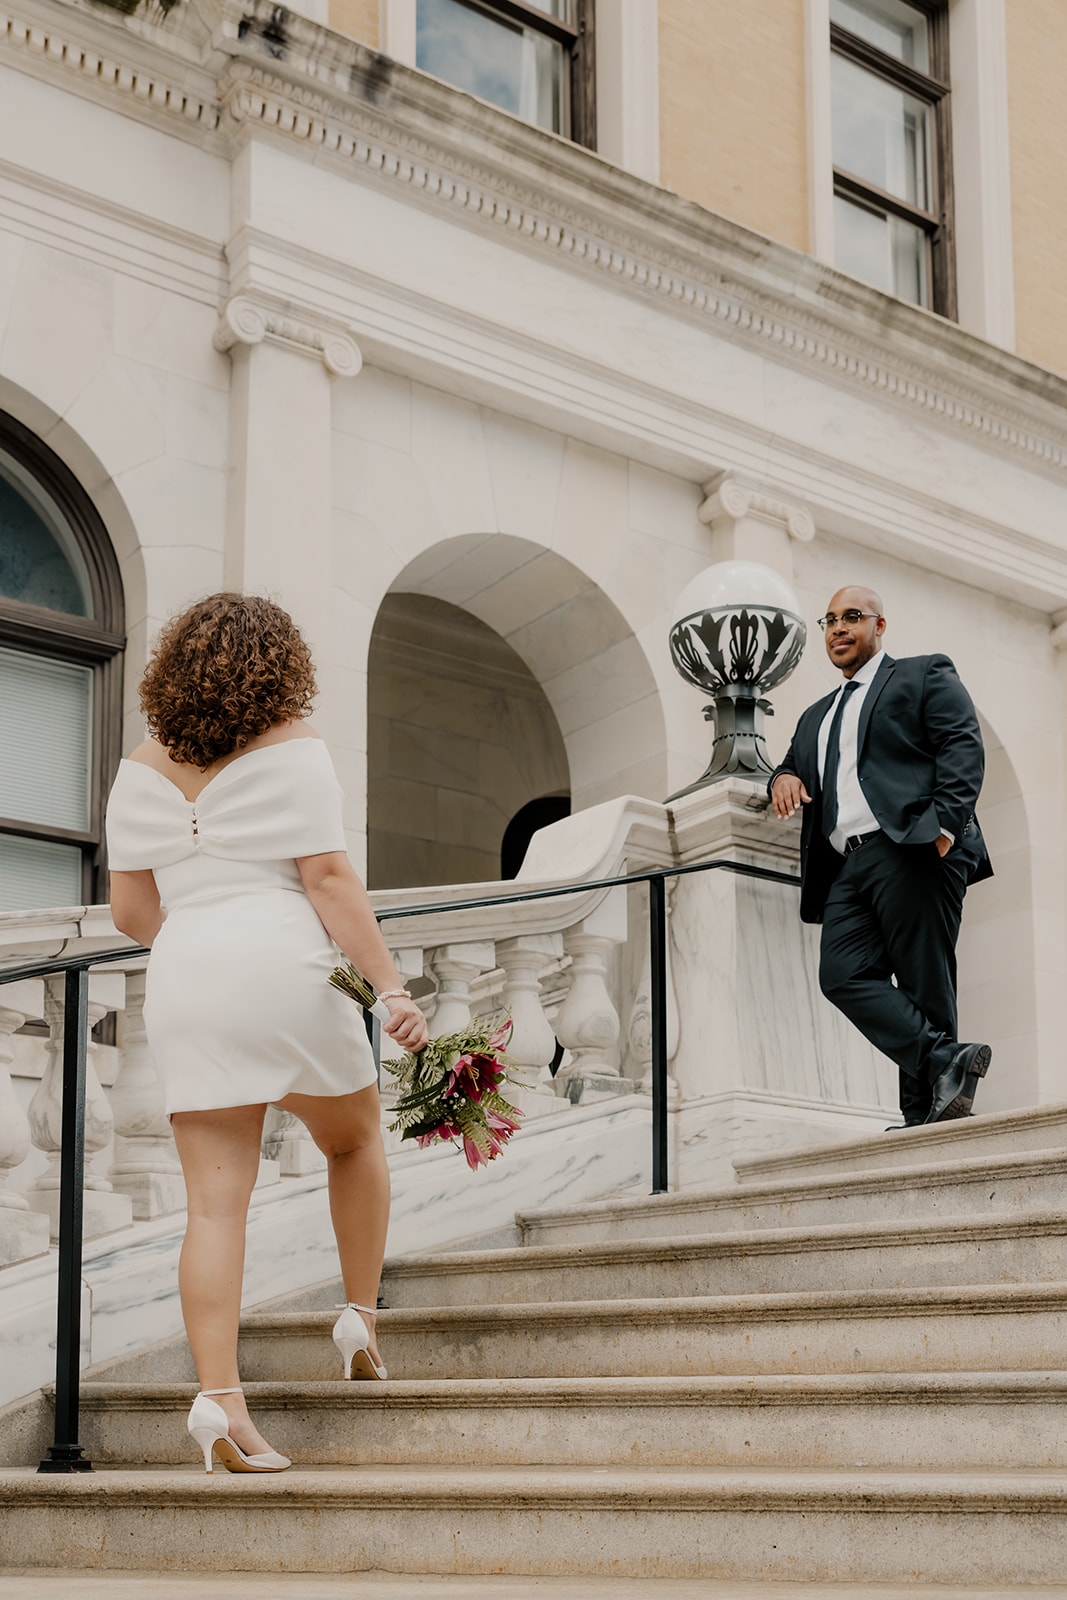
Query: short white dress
[{"x": 238, "y": 1009}]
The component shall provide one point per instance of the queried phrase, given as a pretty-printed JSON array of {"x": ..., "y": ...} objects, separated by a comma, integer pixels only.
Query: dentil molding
[
  {"x": 248, "y": 321},
  {"x": 730, "y": 496}
]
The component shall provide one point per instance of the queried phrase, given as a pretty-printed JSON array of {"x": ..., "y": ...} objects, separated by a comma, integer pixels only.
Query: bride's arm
[
  {"x": 346, "y": 913},
  {"x": 135, "y": 907}
]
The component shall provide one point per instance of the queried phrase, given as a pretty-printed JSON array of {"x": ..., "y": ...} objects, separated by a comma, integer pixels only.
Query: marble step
[
  {"x": 852, "y": 1527},
  {"x": 995, "y": 1134},
  {"x": 1015, "y": 1182},
  {"x": 1013, "y": 1247},
  {"x": 929, "y": 1421},
  {"x": 963, "y": 1329}
]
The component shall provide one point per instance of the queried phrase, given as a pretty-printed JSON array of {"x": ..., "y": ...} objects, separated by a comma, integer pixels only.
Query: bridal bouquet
[{"x": 451, "y": 1089}]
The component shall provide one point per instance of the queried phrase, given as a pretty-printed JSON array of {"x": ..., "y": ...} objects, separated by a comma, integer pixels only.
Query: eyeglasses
[{"x": 849, "y": 617}]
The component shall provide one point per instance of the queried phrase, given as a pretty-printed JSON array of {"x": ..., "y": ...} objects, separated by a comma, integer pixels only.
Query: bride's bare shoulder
[
  {"x": 150, "y": 753},
  {"x": 281, "y": 732}
]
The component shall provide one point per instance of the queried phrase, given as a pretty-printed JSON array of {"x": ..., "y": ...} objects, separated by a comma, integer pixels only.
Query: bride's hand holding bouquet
[{"x": 451, "y": 1085}]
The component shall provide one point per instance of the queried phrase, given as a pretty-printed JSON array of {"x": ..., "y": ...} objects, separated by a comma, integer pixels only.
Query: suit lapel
[
  {"x": 881, "y": 678},
  {"x": 809, "y": 734}
]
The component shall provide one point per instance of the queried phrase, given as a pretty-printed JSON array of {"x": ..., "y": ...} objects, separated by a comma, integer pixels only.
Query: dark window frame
[
  {"x": 578, "y": 39},
  {"x": 933, "y": 88},
  {"x": 97, "y": 642}
]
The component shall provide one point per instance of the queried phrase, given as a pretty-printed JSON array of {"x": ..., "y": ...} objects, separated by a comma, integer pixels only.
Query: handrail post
[
  {"x": 65, "y": 1455},
  {"x": 657, "y": 933}
]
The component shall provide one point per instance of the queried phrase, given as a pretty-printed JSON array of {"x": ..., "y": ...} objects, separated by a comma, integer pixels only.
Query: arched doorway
[
  {"x": 580, "y": 648},
  {"x": 461, "y": 739},
  {"x": 61, "y": 641}
]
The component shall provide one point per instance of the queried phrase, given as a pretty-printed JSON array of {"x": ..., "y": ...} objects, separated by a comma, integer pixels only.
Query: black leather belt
[{"x": 856, "y": 839}]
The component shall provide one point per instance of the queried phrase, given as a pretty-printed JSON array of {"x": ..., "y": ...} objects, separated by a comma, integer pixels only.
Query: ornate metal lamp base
[{"x": 739, "y": 749}]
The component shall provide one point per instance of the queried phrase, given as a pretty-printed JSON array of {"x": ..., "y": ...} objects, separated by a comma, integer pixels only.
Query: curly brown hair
[{"x": 224, "y": 671}]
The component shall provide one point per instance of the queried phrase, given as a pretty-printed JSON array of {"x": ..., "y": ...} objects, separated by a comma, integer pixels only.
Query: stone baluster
[
  {"x": 145, "y": 1165},
  {"x": 533, "y": 1039},
  {"x": 588, "y": 1023},
  {"x": 455, "y": 967},
  {"x": 287, "y": 1142},
  {"x": 22, "y": 1232},
  {"x": 640, "y": 1024},
  {"x": 103, "y": 1210}
]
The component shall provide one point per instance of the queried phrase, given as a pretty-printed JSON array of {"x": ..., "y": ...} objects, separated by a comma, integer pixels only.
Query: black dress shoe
[{"x": 954, "y": 1089}]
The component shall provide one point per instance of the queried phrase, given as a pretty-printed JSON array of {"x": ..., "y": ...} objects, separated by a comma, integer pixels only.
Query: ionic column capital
[
  {"x": 730, "y": 497},
  {"x": 253, "y": 319}
]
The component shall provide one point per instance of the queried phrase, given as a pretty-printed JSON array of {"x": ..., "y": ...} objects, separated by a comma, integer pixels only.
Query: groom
[{"x": 887, "y": 770}]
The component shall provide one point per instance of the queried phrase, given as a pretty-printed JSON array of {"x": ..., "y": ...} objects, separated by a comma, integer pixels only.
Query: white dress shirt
[{"x": 854, "y": 815}]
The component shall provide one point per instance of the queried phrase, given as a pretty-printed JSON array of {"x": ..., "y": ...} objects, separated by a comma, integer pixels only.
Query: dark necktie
[{"x": 831, "y": 764}]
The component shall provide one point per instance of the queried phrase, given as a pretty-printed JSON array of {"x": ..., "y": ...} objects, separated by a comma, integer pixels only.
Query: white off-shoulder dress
[{"x": 238, "y": 1009}]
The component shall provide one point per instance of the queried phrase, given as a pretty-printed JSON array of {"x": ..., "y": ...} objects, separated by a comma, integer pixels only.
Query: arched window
[{"x": 61, "y": 640}]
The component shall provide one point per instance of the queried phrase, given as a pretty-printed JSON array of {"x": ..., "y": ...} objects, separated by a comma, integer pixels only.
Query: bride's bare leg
[
  {"x": 219, "y": 1153},
  {"x": 348, "y": 1131}
]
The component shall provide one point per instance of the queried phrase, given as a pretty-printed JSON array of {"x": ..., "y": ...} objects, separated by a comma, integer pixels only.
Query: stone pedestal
[
  {"x": 146, "y": 1165},
  {"x": 763, "y": 1061}
]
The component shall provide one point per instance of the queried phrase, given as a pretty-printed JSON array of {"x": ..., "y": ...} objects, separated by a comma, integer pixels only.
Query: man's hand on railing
[{"x": 787, "y": 795}]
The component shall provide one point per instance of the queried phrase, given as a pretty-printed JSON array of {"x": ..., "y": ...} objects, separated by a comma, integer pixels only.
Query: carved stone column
[
  {"x": 749, "y": 524},
  {"x": 588, "y": 1022},
  {"x": 287, "y": 1142},
  {"x": 22, "y": 1232},
  {"x": 279, "y": 522},
  {"x": 146, "y": 1165},
  {"x": 640, "y": 1023},
  {"x": 455, "y": 967},
  {"x": 533, "y": 1039},
  {"x": 104, "y": 1211}
]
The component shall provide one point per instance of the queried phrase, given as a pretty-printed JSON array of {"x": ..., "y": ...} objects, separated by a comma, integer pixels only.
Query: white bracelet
[{"x": 395, "y": 994}]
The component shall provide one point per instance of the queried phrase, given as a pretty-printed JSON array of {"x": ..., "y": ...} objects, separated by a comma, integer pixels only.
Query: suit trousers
[{"x": 893, "y": 912}]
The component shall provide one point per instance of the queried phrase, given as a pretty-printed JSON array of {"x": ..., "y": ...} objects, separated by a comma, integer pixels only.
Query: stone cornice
[{"x": 279, "y": 75}]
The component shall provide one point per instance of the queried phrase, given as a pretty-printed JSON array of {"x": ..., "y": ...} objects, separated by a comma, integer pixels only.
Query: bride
[{"x": 227, "y": 856}]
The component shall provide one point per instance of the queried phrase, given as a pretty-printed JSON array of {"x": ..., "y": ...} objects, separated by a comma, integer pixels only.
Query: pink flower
[
  {"x": 475, "y": 1157},
  {"x": 502, "y": 1035}
]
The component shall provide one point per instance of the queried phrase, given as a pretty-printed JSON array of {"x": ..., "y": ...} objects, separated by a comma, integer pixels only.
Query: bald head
[
  {"x": 856, "y": 597},
  {"x": 851, "y": 643}
]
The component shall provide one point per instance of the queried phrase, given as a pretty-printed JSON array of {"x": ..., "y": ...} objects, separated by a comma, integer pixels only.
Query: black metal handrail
[{"x": 65, "y": 1454}]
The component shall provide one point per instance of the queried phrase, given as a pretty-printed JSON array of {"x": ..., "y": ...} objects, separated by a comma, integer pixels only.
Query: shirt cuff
[{"x": 951, "y": 837}]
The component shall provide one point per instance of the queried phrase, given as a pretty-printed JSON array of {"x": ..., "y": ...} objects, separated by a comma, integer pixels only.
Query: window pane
[
  {"x": 514, "y": 67},
  {"x": 45, "y": 723},
  {"x": 898, "y": 29},
  {"x": 40, "y": 563},
  {"x": 37, "y": 872},
  {"x": 881, "y": 133},
  {"x": 554, "y": 8},
  {"x": 883, "y": 250}
]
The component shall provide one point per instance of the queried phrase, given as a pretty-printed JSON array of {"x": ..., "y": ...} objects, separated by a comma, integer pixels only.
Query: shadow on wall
[
  {"x": 462, "y": 742},
  {"x": 997, "y": 990}
]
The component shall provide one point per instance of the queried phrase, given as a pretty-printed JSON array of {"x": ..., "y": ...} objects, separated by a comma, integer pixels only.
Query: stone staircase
[{"x": 850, "y": 1367}]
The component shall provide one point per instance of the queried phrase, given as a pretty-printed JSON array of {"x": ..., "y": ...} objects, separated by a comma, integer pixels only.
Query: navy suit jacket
[{"x": 920, "y": 765}]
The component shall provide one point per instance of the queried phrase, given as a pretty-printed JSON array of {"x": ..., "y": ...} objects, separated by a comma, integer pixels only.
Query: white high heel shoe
[
  {"x": 210, "y": 1427},
  {"x": 352, "y": 1337}
]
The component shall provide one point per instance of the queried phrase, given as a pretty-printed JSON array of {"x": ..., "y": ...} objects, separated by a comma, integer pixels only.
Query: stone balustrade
[
  {"x": 756, "y": 1058},
  {"x": 554, "y": 965}
]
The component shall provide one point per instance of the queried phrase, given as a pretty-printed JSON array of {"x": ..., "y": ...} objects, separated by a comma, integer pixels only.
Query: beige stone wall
[
  {"x": 1037, "y": 74},
  {"x": 461, "y": 737},
  {"x": 732, "y": 114},
  {"x": 357, "y": 18}
]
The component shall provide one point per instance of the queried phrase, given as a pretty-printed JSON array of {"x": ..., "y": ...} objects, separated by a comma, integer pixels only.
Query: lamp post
[{"x": 738, "y": 633}]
